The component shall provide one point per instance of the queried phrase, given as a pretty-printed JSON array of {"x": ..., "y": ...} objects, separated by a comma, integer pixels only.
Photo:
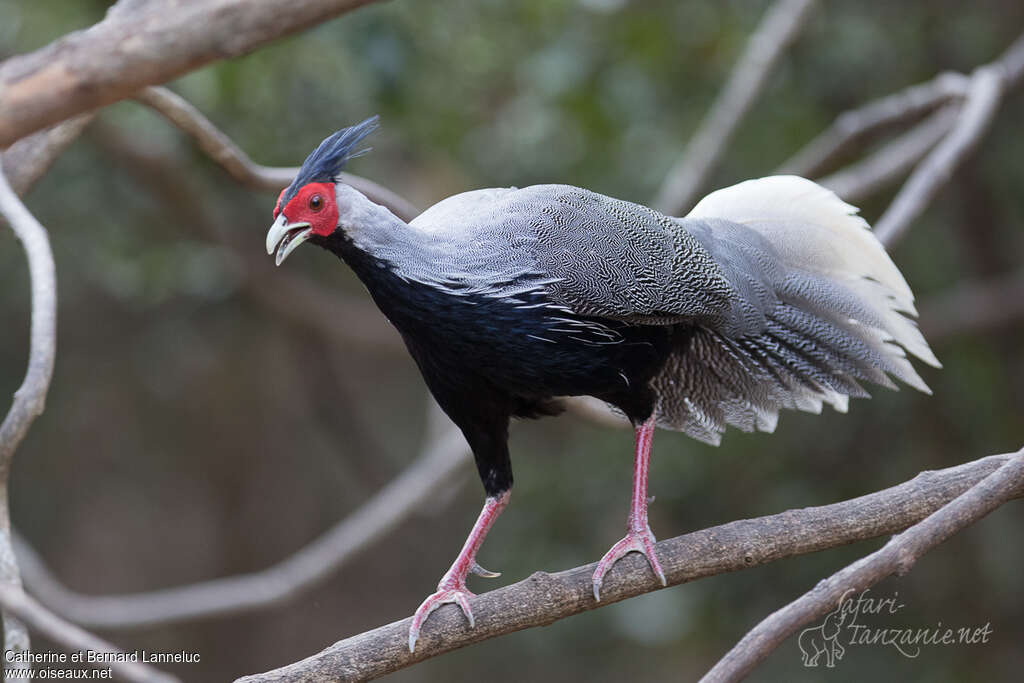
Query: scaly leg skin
[
  {"x": 453, "y": 585},
  {"x": 639, "y": 537}
]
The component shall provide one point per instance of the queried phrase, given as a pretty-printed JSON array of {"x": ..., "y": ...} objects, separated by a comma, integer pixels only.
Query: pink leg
[
  {"x": 639, "y": 537},
  {"x": 453, "y": 584}
]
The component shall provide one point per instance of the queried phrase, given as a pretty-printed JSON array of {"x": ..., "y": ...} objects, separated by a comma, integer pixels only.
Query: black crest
[{"x": 327, "y": 160}]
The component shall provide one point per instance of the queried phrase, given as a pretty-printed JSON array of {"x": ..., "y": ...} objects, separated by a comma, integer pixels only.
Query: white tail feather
[{"x": 815, "y": 231}]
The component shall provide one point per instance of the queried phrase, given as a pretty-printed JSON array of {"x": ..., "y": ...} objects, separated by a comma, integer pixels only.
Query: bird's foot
[
  {"x": 640, "y": 540},
  {"x": 451, "y": 589},
  {"x": 456, "y": 594}
]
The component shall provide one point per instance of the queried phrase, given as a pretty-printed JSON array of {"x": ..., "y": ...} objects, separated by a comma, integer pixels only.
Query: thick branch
[
  {"x": 896, "y": 557},
  {"x": 443, "y": 457},
  {"x": 545, "y": 598},
  {"x": 138, "y": 45},
  {"x": 73, "y": 638},
  {"x": 779, "y": 28},
  {"x": 219, "y": 147}
]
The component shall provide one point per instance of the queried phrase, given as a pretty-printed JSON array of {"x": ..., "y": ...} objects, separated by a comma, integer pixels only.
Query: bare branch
[
  {"x": 897, "y": 158},
  {"x": 974, "y": 307},
  {"x": 896, "y": 557},
  {"x": 1012, "y": 62},
  {"x": 545, "y": 598},
  {"x": 445, "y": 455},
  {"x": 892, "y": 162},
  {"x": 219, "y": 147},
  {"x": 983, "y": 97},
  {"x": 142, "y": 44},
  {"x": 859, "y": 126},
  {"x": 777, "y": 31},
  {"x": 30, "y": 398},
  {"x": 73, "y": 638},
  {"x": 29, "y": 158}
]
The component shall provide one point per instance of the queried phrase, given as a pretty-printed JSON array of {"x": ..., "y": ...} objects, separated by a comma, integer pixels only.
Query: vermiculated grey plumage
[{"x": 793, "y": 301}]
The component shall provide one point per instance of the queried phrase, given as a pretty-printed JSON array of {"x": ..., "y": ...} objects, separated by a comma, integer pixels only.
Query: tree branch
[
  {"x": 28, "y": 159},
  {"x": 896, "y": 557},
  {"x": 444, "y": 455},
  {"x": 777, "y": 31},
  {"x": 545, "y": 598},
  {"x": 73, "y": 638},
  {"x": 140, "y": 44},
  {"x": 30, "y": 398},
  {"x": 892, "y": 162},
  {"x": 859, "y": 126},
  {"x": 219, "y": 147},
  {"x": 984, "y": 92},
  {"x": 1012, "y": 63},
  {"x": 983, "y": 97}
]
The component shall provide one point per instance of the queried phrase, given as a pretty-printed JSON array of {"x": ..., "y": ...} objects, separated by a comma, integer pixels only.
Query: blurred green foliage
[{"x": 191, "y": 433}]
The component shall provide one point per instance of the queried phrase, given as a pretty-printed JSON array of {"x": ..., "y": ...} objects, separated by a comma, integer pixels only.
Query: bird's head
[{"x": 316, "y": 204}]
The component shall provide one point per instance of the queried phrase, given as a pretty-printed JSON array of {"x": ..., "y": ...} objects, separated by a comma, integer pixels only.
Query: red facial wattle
[{"x": 315, "y": 204}]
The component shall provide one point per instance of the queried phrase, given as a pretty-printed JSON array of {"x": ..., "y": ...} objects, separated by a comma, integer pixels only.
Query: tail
[{"x": 819, "y": 306}]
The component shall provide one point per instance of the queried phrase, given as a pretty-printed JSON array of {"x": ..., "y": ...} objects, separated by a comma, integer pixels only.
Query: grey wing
[{"x": 614, "y": 259}]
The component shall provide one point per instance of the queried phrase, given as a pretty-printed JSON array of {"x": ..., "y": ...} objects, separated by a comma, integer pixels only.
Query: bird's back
[{"x": 593, "y": 254}]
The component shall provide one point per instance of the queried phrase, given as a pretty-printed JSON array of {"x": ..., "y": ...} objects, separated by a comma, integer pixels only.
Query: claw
[
  {"x": 459, "y": 596},
  {"x": 480, "y": 571},
  {"x": 637, "y": 540}
]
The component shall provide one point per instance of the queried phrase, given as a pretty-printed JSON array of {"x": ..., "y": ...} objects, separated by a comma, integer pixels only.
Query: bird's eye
[{"x": 316, "y": 202}]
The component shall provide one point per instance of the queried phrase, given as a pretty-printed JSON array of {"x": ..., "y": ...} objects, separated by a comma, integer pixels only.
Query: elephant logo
[{"x": 823, "y": 640}]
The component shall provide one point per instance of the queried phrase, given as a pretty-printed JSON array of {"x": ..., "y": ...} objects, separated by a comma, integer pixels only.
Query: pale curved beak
[{"x": 284, "y": 237}]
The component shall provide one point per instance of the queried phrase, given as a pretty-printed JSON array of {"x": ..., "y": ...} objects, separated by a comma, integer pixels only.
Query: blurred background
[{"x": 192, "y": 432}]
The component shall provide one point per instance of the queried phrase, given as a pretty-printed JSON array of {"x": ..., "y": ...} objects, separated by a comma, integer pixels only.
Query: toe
[
  {"x": 458, "y": 596},
  {"x": 462, "y": 598},
  {"x": 635, "y": 541},
  {"x": 614, "y": 554}
]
